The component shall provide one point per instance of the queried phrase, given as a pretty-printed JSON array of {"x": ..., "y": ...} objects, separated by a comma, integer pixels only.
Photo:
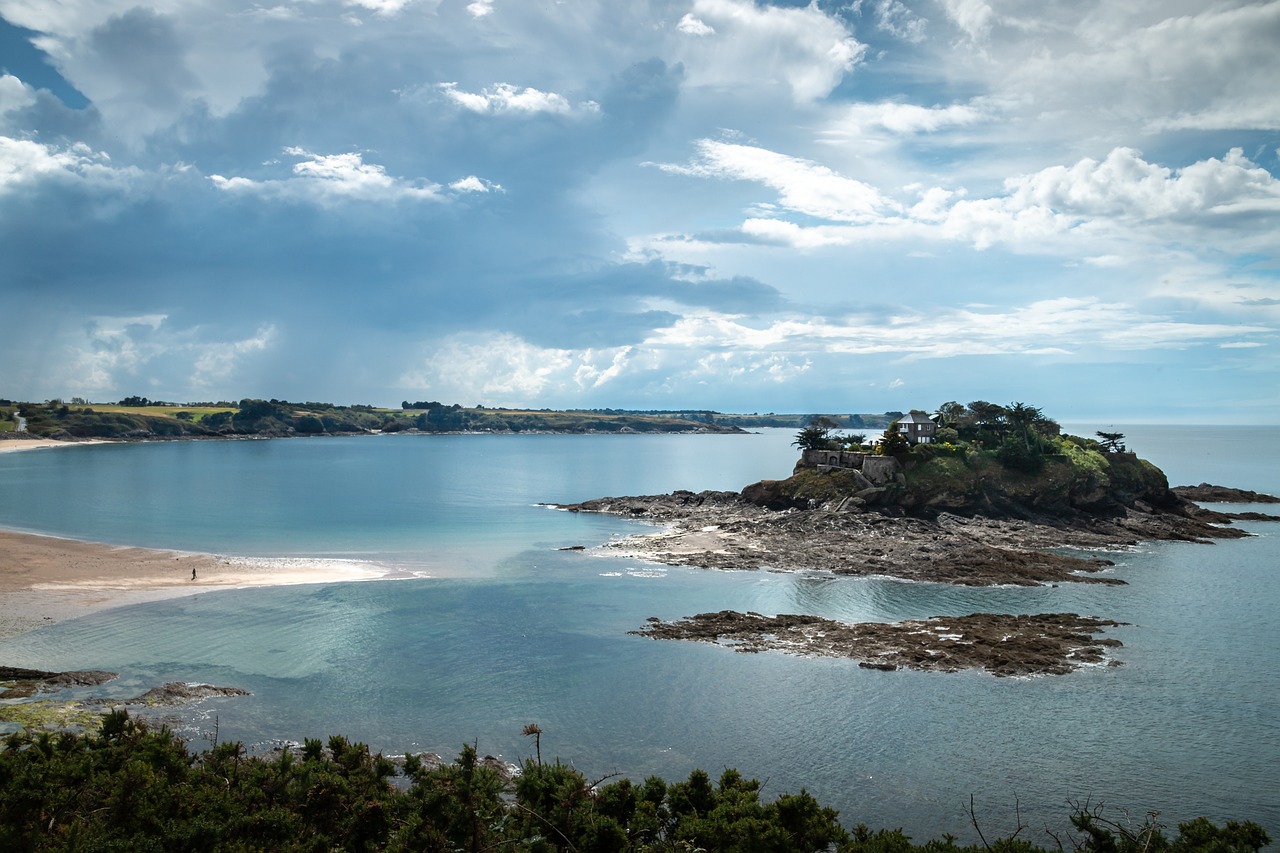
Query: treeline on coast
[
  {"x": 140, "y": 418},
  {"x": 129, "y": 786}
]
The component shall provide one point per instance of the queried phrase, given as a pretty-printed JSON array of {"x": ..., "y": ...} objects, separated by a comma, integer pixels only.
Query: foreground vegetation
[{"x": 130, "y": 787}]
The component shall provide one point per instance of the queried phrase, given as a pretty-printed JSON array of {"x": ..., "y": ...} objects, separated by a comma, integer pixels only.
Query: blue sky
[{"x": 717, "y": 204}]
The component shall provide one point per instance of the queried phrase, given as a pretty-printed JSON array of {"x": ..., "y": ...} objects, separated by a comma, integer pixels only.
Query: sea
[{"x": 490, "y": 625}]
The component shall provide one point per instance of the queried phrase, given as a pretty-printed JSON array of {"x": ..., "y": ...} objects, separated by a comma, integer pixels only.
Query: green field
[{"x": 197, "y": 412}]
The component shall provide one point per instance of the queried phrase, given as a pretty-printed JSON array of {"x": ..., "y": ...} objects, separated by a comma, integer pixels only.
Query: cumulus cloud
[
  {"x": 1126, "y": 186},
  {"x": 508, "y": 370},
  {"x": 1090, "y": 198},
  {"x": 691, "y": 25},
  {"x": 472, "y": 184},
  {"x": 216, "y": 363},
  {"x": 503, "y": 368},
  {"x": 14, "y": 94},
  {"x": 27, "y": 164},
  {"x": 506, "y": 98},
  {"x": 110, "y": 356},
  {"x": 327, "y": 179},
  {"x": 1162, "y": 66},
  {"x": 742, "y": 43}
]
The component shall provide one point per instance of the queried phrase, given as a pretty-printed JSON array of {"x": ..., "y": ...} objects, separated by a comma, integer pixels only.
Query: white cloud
[
  {"x": 502, "y": 369},
  {"x": 505, "y": 98},
  {"x": 1107, "y": 204},
  {"x": 216, "y": 363},
  {"x": 691, "y": 25},
  {"x": 14, "y": 94},
  {"x": 382, "y": 7},
  {"x": 971, "y": 16},
  {"x": 24, "y": 163},
  {"x": 472, "y": 184},
  {"x": 111, "y": 354},
  {"x": 1124, "y": 186},
  {"x": 903, "y": 118},
  {"x": 1173, "y": 65},
  {"x": 803, "y": 186},
  {"x": 743, "y": 45},
  {"x": 274, "y": 13},
  {"x": 1061, "y": 326},
  {"x": 480, "y": 8},
  {"x": 897, "y": 19},
  {"x": 327, "y": 179}
]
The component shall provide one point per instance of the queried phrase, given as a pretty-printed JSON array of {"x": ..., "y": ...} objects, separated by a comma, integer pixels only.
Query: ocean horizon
[{"x": 499, "y": 627}]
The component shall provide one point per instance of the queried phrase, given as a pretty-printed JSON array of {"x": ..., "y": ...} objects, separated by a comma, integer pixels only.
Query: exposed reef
[
  {"x": 177, "y": 693},
  {"x": 63, "y": 713},
  {"x": 1003, "y": 645},
  {"x": 18, "y": 683}
]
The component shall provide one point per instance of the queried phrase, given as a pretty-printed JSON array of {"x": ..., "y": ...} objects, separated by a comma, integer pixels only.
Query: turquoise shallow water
[{"x": 512, "y": 631}]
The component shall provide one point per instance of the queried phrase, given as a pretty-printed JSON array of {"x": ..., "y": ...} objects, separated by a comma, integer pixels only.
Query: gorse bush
[{"x": 131, "y": 787}]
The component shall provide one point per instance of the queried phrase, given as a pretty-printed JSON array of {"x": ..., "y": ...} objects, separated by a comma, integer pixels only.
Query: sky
[{"x": 717, "y": 204}]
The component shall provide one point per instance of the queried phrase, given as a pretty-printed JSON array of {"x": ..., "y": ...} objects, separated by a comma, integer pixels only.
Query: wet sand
[{"x": 44, "y": 579}]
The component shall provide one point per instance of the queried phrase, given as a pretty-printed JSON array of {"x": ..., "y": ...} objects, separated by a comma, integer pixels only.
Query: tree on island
[
  {"x": 893, "y": 443},
  {"x": 817, "y": 435},
  {"x": 1112, "y": 442},
  {"x": 1021, "y": 418}
]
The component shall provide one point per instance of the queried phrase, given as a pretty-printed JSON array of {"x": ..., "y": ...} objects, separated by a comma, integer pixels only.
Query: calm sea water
[{"x": 509, "y": 630}]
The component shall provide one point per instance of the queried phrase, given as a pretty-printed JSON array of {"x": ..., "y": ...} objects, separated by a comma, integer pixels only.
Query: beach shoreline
[
  {"x": 48, "y": 579},
  {"x": 11, "y": 443}
]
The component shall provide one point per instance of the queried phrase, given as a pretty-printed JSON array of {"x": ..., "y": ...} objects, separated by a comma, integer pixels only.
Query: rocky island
[{"x": 983, "y": 495}]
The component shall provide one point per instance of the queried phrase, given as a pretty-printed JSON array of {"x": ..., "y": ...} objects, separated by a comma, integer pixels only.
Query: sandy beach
[
  {"x": 10, "y": 442},
  {"x": 45, "y": 579}
]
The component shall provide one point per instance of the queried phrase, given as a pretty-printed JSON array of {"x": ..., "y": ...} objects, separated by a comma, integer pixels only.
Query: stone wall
[{"x": 878, "y": 470}]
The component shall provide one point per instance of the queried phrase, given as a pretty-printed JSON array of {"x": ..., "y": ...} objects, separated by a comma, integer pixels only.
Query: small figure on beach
[{"x": 193, "y": 574}]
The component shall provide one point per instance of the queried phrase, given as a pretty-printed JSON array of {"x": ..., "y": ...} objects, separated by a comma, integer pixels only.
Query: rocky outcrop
[
  {"x": 948, "y": 520},
  {"x": 1003, "y": 645},
  {"x": 178, "y": 693},
  {"x": 1206, "y": 493},
  {"x": 726, "y": 531},
  {"x": 20, "y": 683}
]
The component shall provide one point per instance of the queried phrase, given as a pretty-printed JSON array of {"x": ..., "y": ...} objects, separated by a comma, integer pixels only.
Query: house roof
[{"x": 915, "y": 418}]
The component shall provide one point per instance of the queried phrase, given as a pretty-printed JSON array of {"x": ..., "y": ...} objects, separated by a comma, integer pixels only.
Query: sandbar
[{"x": 45, "y": 579}]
